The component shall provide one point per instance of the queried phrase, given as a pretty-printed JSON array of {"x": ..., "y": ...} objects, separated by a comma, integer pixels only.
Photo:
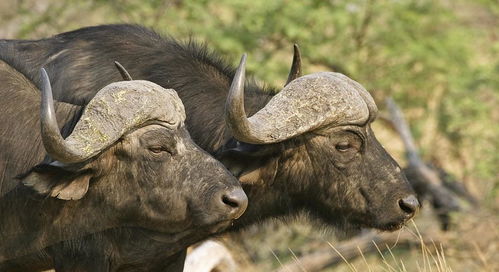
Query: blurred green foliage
[{"x": 439, "y": 59}]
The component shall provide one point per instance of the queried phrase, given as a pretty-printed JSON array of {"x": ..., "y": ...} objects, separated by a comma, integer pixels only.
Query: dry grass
[
  {"x": 431, "y": 256},
  {"x": 471, "y": 245}
]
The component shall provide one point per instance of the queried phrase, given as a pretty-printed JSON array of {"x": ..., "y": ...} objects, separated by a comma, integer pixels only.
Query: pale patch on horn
[{"x": 114, "y": 111}]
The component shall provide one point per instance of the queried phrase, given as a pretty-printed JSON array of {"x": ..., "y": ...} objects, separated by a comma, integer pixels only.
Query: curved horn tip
[
  {"x": 46, "y": 89},
  {"x": 52, "y": 139},
  {"x": 44, "y": 76},
  {"x": 240, "y": 76},
  {"x": 296, "y": 48},
  {"x": 47, "y": 101},
  {"x": 235, "y": 114},
  {"x": 295, "y": 71},
  {"x": 297, "y": 54},
  {"x": 243, "y": 60},
  {"x": 123, "y": 72}
]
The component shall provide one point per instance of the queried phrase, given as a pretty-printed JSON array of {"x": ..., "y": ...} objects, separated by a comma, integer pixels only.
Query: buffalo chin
[
  {"x": 389, "y": 226},
  {"x": 220, "y": 226},
  {"x": 345, "y": 227}
]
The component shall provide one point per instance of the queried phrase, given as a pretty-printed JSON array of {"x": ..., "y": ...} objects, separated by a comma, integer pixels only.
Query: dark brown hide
[
  {"x": 154, "y": 179},
  {"x": 342, "y": 176}
]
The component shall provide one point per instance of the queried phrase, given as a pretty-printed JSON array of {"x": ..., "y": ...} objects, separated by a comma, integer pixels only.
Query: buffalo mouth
[
  {"x": 371, "y": 222},
  {"x": 211, "y": 225},
  {"x": 220, "y": 226},
  {"x": 190, "y": 235},
  {"x": 386, "y": 220},
  {"x": 391, "y": 226}
]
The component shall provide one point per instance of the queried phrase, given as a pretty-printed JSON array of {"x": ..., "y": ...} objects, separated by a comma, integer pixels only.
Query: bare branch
[
  {"x": 351, "y": 249},
  {"x": 425, "y": 180}
]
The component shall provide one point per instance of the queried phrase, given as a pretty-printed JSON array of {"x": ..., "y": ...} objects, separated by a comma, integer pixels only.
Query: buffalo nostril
[
  {"x": 237, "y": 201},
  {"x": 409, "y": 204},
  {"x": 230, "y": 201}
]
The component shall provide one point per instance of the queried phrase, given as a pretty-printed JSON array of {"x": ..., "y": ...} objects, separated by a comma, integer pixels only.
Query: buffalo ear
[
  {"x": 55, "y": 181},
  {"x": 262, "y": 173},
  {"x": 251, "y": 164}
]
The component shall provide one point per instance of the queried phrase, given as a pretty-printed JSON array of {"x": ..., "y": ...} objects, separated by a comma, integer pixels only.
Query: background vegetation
[{"x": 439, "y": 59}]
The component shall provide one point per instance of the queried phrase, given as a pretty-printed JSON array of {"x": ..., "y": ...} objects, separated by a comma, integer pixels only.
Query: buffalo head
[
  {"x": 318, "y": 147},
  {"x": 130, "y": 153}
]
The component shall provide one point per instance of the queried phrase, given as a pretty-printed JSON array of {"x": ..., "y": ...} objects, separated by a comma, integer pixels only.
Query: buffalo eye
[
  {"x": 158, "y": 149},
  {"x": 343, "y": 146}
]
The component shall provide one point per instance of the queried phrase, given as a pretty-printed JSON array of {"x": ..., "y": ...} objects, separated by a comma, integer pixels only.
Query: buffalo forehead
[
  {"x": 122, "y": 106},
  {"x": 316, "y": 100},
  {"x": 143, "y": 98}
]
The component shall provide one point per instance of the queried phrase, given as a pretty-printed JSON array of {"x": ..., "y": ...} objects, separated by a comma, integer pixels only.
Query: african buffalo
[
  {"x": 308, "y": 148},
  {"x": 128, "y": 162}
]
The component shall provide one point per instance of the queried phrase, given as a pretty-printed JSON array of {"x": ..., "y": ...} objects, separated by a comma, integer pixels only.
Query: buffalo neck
[
  {"x": 265, "y": 202},
  {"x": 284, "y": 194},
  {"x": 20, "y": 142},
  {"x": 30, "y": 222}
]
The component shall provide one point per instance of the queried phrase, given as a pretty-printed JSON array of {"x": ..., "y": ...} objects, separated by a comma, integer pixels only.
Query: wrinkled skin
[
  {"x": 153, "y": 179},
  {"x": 341, "y": 176},
  {"x": 363, "y": 200}
]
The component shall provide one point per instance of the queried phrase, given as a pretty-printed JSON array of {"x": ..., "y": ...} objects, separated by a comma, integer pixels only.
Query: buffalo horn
[
  {"x": 124, "y": 73},
  {"x": 295, "y": 71},
  {"x": 235, "y": 115},
  {"x": 250, "y": 130},
  {"x": 115, "y": 110},
  {"x": 53, "y": 142},
  {"x": 310, "y": 102}
]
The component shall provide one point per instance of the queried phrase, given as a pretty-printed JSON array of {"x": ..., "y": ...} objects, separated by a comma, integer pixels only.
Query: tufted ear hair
[{"x": 56, "y": 180}]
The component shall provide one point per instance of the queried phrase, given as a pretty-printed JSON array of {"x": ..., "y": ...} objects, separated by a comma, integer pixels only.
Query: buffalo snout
[
  {"x": 409, "y": 205},
  {"x": 233, "y": 202}
]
